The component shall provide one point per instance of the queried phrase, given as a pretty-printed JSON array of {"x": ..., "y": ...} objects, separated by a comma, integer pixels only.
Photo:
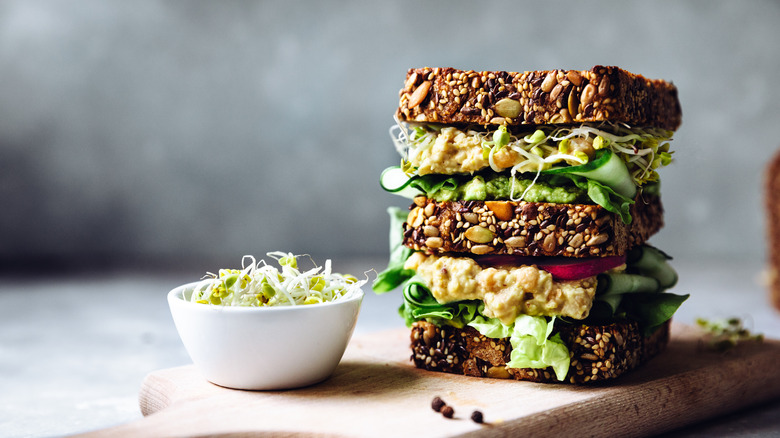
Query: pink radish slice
[
  {"x": 584, "y": 269},
  {"x": 561, "y": 268}
]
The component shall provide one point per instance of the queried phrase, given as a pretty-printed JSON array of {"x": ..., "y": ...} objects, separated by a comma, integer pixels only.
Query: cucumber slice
[
  {"x": 618, "y": 284},
  {"x": 607, "y": 168},
  {"x": 653, "y": 263},
  {"x": 394, "y": 180}
]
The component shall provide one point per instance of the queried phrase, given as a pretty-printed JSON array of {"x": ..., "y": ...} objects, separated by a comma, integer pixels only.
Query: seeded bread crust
[
  {"x": 772, "y": 203},
  {"x": 597, "y": 353},
  {"x": 451, "y": 96},
  {"x": 528, "y": 228}
]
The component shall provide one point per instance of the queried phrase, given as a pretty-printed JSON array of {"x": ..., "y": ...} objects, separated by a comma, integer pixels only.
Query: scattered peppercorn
[
  {"x": 476, "y": 416},
  {"x": 447, "y": 411},
  {"x": 437, "y": 404}
]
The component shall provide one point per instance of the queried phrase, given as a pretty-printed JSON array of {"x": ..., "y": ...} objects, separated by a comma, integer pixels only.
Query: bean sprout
[
  {"x": 642, "y": 149},
  {"x": 258, "y": 284}
]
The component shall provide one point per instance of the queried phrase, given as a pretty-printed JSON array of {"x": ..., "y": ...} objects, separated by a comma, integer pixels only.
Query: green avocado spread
[{"x": 500, "y": 187}]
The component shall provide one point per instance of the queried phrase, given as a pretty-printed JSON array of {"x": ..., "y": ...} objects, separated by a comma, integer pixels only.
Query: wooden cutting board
[{"x": 376, "y": 391}]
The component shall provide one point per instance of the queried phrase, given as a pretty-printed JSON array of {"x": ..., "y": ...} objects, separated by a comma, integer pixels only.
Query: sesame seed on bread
[
  {"x": 528, "y": 228},
  {"x": 598, "y": 352},
  {"x": 452, "y": 96}
]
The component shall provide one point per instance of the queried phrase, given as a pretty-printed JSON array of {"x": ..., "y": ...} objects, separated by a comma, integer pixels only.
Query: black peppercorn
[
  {"x": 476, "y": 416},
  {"x": 437, "y": 404},
  {"x": 447, "y": 411}
]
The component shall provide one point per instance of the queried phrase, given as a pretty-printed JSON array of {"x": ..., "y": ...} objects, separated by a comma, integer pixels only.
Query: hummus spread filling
[
  {"x": 507, "y": 291},
  {"x": 455, "y": 151}
]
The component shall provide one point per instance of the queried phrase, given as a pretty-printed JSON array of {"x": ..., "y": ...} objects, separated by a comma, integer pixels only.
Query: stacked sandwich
[{"x": 524, "y": 252}]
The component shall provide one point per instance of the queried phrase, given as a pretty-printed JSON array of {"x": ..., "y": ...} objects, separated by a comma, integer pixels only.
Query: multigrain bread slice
[
  {"x": 597, "y": 353},
  {"x": 772, "y": 204},
  {"x": 528, "y": 228},
  {"x": 451, "y": 96}
]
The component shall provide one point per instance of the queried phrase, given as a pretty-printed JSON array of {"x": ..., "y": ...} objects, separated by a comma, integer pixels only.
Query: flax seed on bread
[
  {"x": 452, "y": 96},
  {"x": 598, "y": 352},
  {"x": 528, "y": 228}
]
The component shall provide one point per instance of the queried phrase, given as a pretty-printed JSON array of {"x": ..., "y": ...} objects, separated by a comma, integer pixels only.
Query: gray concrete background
[{"x": 196, "y": 132}]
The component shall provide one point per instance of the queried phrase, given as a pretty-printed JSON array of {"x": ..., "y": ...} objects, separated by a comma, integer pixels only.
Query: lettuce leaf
[
  {"x": 532, "y": 345},
  {"x": 491, "y": 327},
  {"x": 435, "y": 183},
  {"x": 395, "y": 274},
  {"x": 605, "y": 197},
  {"x": 530, "y": 336},
  {"x": 652, "y": 309},
  {"x": 419, "y": 304}
]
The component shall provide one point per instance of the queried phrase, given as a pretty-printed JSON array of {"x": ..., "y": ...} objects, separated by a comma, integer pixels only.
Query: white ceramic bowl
[{"x": 263, "y": 348}]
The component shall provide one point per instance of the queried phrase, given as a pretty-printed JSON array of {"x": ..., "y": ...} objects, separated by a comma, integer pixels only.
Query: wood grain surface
[{"x": 376, "y": 391}]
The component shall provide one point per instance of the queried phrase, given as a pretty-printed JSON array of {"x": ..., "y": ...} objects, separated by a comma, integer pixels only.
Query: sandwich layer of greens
[{"x": 606, "y": 164}]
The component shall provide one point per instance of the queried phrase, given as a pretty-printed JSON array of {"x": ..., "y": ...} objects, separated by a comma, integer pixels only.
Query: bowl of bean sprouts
[{"x": 266, "y": 327}]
